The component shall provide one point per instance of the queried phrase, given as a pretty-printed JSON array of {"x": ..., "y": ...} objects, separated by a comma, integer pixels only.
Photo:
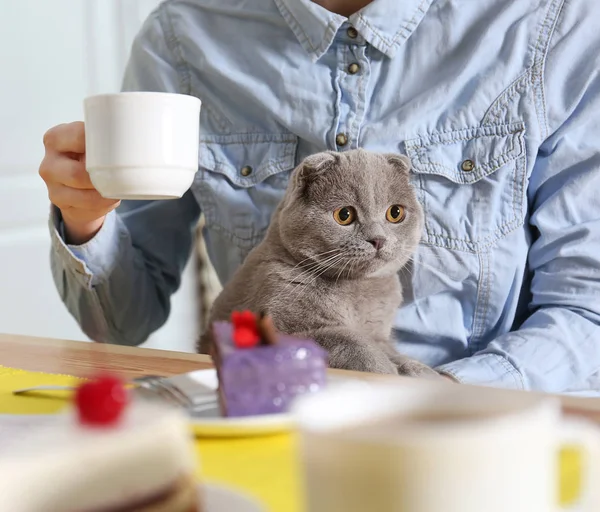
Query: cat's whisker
[
  {"x": 420, "y": 264},
  {"x": 313, "y": 267},
  {"x": 307, "y": 277},
  {"x": 330, "y": 264},
  {"x": 314, "y": 258},
  {"x": 313, "y": 279},
  {"x": 406, "y": 270},
  {"x": 341, "y": 271},
  {"x": 313, "y": 263},
  {"x": 414, "y": 255},
  {"x": 352, "y": 268},
  {"x": 327, "y": 261},
  {"x": 297, "y": 291},
  {"x": 411, "y": 270},
  {"x": 292, "y": 273}
]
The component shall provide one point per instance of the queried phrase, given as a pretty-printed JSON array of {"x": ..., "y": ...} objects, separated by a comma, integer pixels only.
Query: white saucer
[{"x": 216, "y": 498}]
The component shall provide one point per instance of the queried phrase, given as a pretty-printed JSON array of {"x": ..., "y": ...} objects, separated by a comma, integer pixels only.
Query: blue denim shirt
[{"x": 496, "y": 102}]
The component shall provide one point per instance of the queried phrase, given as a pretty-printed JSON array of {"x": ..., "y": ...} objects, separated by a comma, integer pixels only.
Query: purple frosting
[{"x": 267, "y": 378}]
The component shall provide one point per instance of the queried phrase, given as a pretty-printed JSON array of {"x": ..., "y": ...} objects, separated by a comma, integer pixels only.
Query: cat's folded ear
[
  {"x": 401, "y": 162},
  {"x": 313, "y": 166}
]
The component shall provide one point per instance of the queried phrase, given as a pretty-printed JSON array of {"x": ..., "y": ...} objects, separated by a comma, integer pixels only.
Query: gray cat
[{"x": 328, "y": 266}]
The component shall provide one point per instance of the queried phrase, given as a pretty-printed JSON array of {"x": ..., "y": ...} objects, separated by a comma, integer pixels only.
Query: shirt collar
[{"x": 384, "y": 24}]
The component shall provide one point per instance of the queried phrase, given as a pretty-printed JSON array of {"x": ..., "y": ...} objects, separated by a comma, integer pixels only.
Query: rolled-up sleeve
[{"x": 118, "y": 285}]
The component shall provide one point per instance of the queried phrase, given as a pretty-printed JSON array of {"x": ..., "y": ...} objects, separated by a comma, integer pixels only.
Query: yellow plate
[
  {"x": 210, "y": 423},
  {"x": 242, "y": 427}
]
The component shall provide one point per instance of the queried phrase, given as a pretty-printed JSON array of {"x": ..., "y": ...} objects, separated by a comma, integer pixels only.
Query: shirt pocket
[
  {"x": 240, "y": 181},
  {"x": 471, "y": 184}
]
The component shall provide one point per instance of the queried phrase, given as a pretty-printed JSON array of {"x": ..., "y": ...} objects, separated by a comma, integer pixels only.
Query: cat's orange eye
[
  {"x": 395, "y": 213},
  {"x": 345, "y": 216}
]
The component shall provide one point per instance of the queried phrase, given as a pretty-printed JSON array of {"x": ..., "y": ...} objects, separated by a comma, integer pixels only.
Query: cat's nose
[{"x": 377, "y": 243}]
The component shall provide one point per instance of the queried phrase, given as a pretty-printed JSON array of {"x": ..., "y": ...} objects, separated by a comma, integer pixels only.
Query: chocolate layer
[
  {"x": 268, "y": 333},
  {"x": 180, "y": 496}
]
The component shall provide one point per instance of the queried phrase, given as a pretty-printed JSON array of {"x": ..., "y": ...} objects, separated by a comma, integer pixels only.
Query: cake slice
[
  {"x": 103, "y": 455},
  {"x": 261, "y": 371}
]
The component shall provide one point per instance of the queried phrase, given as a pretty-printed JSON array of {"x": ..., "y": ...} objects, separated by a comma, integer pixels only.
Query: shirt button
[
  {"x": 352, "y": 32},
  {"x": 341, "y": 139},
  {"x": 353, "y": 68},
  {"x": 467, "y": 165},
  {"x": 246, "y": 170}
]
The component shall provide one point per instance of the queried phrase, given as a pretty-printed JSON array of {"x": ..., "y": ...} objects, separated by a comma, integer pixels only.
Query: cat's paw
[
  {"x": 413, "y": 368},
  {"x": 383, "y": 366},
  {"x": 362, "y": 359}
]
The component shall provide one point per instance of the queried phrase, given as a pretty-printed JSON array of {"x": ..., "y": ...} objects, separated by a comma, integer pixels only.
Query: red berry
[
  {"x": 245, "y": 338},
  {"x": 243, "y": 318},
  {"x": 101, "y": 401},
  {"x": 245, "y": 329}
]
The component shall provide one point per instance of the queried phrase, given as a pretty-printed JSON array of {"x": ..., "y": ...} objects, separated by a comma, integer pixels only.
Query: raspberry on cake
[
  {"x": 107, "y": 454},
  {"x": 261, "y": 371}
]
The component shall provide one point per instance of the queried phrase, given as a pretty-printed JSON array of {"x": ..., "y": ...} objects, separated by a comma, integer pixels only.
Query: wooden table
[{"x": 80, "y": 358}]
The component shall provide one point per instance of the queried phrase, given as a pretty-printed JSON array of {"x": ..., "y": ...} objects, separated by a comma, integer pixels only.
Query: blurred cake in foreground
[
  {"x": 103, "y": 455},
  {"x": 261, "y": 371}
]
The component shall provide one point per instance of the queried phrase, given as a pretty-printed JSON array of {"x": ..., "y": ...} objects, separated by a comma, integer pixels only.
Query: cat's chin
[
  {"x": 371, "y": 267},
  {"x": 381, "y": 270},
  {"x": 385, "y": 265},
  {"x": 385, "y": 270}
]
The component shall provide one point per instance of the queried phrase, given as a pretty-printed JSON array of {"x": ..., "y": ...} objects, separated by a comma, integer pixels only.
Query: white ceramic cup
[
  {"x": 376, "y": 448},
  {"x": 142, "y": 145}
]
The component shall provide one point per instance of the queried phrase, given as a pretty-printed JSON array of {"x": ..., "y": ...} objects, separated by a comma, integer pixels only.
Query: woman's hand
[{"x": 63, "y": 170}]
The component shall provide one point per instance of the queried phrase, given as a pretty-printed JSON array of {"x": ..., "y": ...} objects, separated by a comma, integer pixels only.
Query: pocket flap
[
  {"x": 247, "y": 159},
  {"x": 465, "y": 156}
]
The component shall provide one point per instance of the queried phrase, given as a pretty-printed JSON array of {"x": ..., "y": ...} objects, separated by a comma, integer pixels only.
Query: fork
[
  {"x": 154, "y": 384},
  {"x": 160, "y": 385}
]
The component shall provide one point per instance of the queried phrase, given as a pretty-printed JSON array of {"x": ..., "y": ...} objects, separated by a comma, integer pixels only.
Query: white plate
[
  {"x": 216, "y": 498},
  {"x": 209, "y": 422}
]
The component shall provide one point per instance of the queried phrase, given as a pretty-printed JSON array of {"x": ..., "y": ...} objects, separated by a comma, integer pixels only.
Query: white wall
[{"x": 53, "y": 53}]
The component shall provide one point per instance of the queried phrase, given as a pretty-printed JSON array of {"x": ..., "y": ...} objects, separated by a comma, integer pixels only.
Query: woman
[{"x": 495, "y": 103}]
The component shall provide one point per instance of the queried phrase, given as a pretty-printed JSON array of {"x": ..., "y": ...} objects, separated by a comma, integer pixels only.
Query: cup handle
[{"x": 585, "y": 436}]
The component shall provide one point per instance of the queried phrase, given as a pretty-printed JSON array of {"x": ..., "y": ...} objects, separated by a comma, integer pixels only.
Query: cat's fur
[{"x": 325, "y": 281}]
